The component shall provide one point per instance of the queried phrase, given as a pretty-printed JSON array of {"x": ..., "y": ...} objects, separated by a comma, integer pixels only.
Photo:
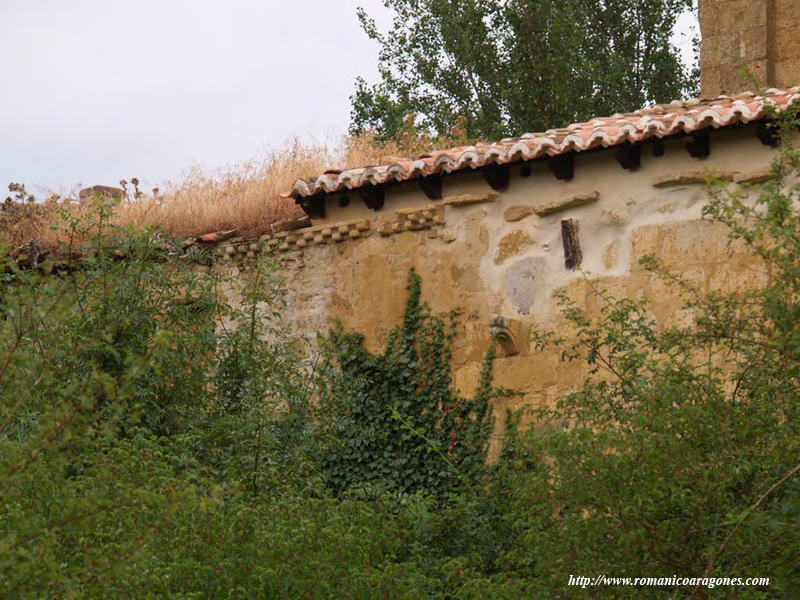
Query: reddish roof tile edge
[{"x": 659, "y": 121}]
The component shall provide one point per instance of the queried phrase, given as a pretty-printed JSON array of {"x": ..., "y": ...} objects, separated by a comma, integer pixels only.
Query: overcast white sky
[{"x": 94, "y": 91}]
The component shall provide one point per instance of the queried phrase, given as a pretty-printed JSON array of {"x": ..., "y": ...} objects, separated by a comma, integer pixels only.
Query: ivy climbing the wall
[{"x": 392, "y": 420}]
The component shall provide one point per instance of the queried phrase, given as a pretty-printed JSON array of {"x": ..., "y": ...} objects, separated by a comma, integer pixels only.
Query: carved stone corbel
[{"x": 511, "y": 335}]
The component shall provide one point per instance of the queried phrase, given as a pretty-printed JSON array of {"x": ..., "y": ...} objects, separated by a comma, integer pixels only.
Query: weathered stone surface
[
  {"x": 413, "y": 219},
  {"x": 614, "y": 216},
  {"x": 755, "y": 176},
  {"x": 101, "y": 191},
  {"x": 517, "y": 213},
  {"x": 688, "y": 177},
  {"x": 446, "y": 235},
  {"x": 291, "y": 224},
  {"x": 512, "y": 335},
  {"x": 520, "y": 282},
  {"x": 610, "y": 255},
  {"x": 753, "y": 44},
  {"x": 217, "y": 236},
  {"x": 748, "y": 44},
  {"x": 467, "y": 199},
  {"x": 565, "y": 203},
  {"x": 512, "y": 244},
  {"x": 480, "y": 265}
]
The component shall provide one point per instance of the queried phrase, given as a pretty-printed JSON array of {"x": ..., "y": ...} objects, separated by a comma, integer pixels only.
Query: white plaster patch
[{"x": 521, "y": 284}]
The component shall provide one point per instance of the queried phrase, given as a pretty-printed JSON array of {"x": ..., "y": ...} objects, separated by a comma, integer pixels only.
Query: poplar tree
[{"x": 514, "y": 66}]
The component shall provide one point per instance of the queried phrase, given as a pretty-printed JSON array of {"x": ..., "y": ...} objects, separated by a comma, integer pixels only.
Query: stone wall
[
  {"x": 785, "y": 45},
  {"x": 748, "y": 44},
  {"x": 496, "y": 257}
]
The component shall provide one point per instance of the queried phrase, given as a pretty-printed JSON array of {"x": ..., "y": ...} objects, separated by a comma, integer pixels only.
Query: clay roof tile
[{"x": 661, "y": 120}]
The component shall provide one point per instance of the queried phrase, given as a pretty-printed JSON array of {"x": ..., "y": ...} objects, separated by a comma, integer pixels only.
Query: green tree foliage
[
  {"x": 396, "y": 423},
  {"x": 521, "y": 65}
]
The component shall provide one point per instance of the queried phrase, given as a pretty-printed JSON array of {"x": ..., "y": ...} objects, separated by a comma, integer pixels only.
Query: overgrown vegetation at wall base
[
  {"x": 398, "y": 425},
  {"x": 160, "y": 441}
]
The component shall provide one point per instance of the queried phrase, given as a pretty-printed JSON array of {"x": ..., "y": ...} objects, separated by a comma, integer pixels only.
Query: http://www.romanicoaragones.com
[{"x": 584, "y": 581}]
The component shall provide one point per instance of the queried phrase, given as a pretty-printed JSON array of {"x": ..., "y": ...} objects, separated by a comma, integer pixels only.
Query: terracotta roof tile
[{"x": 658, "y": 121}]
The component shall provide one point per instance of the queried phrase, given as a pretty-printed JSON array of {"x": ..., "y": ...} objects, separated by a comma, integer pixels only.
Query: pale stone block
[
  {"x": 447, "y": 236},
  {"x": 687, "y": 177},
  {"x": 610, "y": 255},
  {"x": 512, "y": 244},
  {"x": 404, "y": 212},
  {"x": 735, "y": 15},
  {"x": 755, "y": 176},
  {"x": 753, "y": 43},
  {"x": 467, "y": 199},
  {"x": 517, "y": 213},
  {"x": 786, "y": 44},
  {"x": 787, "y": 10},
  {"x": 787, "y": 72},
  {"x": 565, "y": 203}
]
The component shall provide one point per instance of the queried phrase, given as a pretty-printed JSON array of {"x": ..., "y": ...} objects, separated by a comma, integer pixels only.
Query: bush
[{"x": 679, "y": 455}]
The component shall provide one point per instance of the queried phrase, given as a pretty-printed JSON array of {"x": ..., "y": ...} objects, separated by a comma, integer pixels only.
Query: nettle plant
[{"x": 393, "y": 420}]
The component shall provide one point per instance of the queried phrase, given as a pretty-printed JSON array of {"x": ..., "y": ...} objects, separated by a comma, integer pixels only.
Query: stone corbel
[{"x": 511, "y": 335}]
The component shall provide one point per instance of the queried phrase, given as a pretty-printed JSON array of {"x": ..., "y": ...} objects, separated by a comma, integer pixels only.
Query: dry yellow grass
[{"x": 244, "y": 197}]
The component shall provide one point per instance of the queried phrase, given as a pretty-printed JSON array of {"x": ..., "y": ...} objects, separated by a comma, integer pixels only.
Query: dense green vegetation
[
  {"x": 513, "y": 66},
  {"x": 157, "y": 441},
  {"x": 396, "y": 423}
]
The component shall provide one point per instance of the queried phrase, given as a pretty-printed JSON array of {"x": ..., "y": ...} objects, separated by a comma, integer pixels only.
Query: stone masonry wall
[
  {"x": 497, "y": 257},
  {"x": 748, "y": 44}
]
